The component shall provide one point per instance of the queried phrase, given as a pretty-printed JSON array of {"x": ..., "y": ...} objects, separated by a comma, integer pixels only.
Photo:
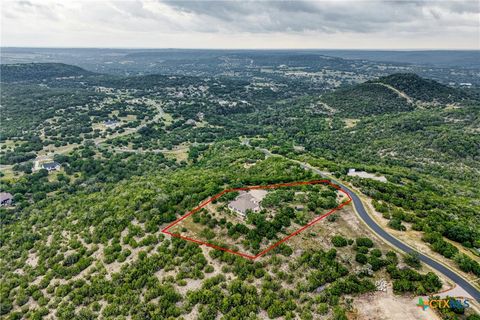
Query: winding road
[{"x": 362, "y": 212}]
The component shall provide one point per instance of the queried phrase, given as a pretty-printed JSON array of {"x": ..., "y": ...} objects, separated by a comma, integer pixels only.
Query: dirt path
[{"x": 400, "y": 93}]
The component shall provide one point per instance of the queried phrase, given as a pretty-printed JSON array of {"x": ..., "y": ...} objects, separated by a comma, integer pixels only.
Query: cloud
[
  {"x": 325, "y": 16},
  {"x": 31, "y": 7},
  {"x": 149, "y": 23}
]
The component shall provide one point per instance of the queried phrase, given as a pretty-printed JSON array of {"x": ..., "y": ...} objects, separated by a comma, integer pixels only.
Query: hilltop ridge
[
  {"x": 40, "y": 71},
  {"x": 398, "y": 92},
  {"x": 422, "y": 89}
]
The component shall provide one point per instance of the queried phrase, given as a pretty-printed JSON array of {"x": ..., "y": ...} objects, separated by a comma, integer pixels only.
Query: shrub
[
  {"x": 339, "y": 241},
  {"x": 397, "y": 225},
  {"x": 376, "y": 252},
  {"x": 209, "y": 269},
  {"x": 412, "y": 260},
  {"x": 392, "y": 257},
  {"x": 361, "y": 258},
  {"x": 364, "y": 242},
  {"x": 363, "y": 250}
]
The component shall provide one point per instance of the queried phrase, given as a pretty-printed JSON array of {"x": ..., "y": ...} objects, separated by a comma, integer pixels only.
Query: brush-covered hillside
[
  {"x": 39, "y": 71},
  {"x": 395, "y": 93},
  {"x": 131, "y": 155},
  {"x": 422, "y": 89}
]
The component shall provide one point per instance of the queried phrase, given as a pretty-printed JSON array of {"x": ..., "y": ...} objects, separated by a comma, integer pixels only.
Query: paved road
[
  {"x": 474, "y": 292},
  {"x": 467, "y": 286}
]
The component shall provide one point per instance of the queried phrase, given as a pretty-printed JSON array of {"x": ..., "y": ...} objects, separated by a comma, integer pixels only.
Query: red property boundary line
[{"x": 271, "y": 186}]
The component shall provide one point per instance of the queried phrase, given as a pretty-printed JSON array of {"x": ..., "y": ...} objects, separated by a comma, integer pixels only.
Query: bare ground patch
[{"x": 387, "y": 305}]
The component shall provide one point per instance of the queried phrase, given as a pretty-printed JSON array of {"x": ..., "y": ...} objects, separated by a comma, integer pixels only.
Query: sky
[{"x": 373, "y": 24}]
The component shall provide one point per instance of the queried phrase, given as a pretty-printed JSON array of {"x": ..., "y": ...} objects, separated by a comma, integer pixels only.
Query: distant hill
[
  {"x": 422, "y": 89},
  {"x": 366, "y": 99},
  {"x": 439, "y": 58},
  {"x": 393, "y": 93},
  {"x": 39, "y": 71}
]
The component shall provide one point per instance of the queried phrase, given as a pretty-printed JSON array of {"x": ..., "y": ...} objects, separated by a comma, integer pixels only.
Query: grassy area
[{"x": 179, "y": 153}]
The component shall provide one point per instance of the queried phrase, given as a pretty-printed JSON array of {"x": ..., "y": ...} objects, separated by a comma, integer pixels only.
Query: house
[
  {"x": 6, "y": 199},
  {"x": 110, "y": 123},
  {"x": 244, "y": 202},
  {"x": 190, "y": 122},
  {"x": 51, "y": 166},
  {"x": 321, "y": 288},
  {"x": 366, "y": 175}
]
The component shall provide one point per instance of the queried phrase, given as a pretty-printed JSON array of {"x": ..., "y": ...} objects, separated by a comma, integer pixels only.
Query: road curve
[
  {"x": 474, "y": 292},
  {"x": 460, "y": 281}
]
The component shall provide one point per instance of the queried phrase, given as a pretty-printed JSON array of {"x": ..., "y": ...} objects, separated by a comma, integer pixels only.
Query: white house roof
[
  {"x": 4, "y": 196},
  {"x": 243, "y": 203},
  {"x": 248, "y": 200},
  {"x": 50, "y": 165}
]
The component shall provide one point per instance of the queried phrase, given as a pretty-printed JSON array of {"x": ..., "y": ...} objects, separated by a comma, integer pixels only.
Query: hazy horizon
[{"x": 240, "y": 49}]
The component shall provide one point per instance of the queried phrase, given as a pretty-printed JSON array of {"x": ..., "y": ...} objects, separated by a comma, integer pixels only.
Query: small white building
[
  {"x": 6, "y": 199},
  {"x": 51, "y": 166},
  {"x": 190, "y": 122},
  {"x": 366, "y": 175},
  {"x": 110, "y": 123}
]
